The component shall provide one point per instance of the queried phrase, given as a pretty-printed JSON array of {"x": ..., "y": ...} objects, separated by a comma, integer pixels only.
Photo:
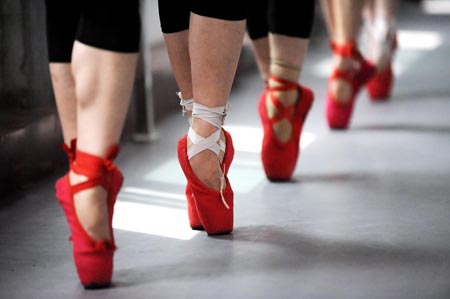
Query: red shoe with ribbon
[
  {"x": 280, "y": 158},
  {"x": 93, "y": 259},
  {"x": 380, "y": 86},
  {"x": 212, "y": 208},
  {"x": 338, "y": 113}
]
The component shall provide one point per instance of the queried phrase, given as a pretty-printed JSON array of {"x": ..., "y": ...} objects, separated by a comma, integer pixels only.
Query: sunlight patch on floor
[
  {"x": 245, "y": 174},
  {"x": 435, "y": 7},
  {"x": 168, "y": 172},
  {"x": 153, "y": 220},
  {"x": 419, "y": 40}
]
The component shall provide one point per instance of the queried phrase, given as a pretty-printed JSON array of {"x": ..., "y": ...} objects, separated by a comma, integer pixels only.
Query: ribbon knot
[
  {"x": 109, "y": 165},
  {"x": 69, "y": 152}
]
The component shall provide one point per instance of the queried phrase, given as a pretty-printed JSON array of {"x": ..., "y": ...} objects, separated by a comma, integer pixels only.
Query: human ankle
[
  {"x": 92, "y": 212},
  {"x": 91, "y": 208},
  {"x": 202, "y": 127},
  {"x": 75, "y": 178},
  {"x": 345, "y": 63},
  {"x": 207, "y": 168}
]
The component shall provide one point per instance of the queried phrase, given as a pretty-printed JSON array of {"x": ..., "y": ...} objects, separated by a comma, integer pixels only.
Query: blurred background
[{"x": 29, "y": 129}]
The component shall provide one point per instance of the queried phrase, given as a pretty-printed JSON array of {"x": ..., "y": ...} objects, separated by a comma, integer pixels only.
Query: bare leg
[
  {"x": 104, "y": 81},
  {"x": 369, "y": 10},
  {"x": 287, "y": 56},
  {"x": 214, "y": 47},
  {"x": 177, "y": 45},
  {"x": 386, "y": 8},
  {"x": 261, "y": 50},
  {"x": 327, "y": 9},
  {"x": 277, "y": 51},
  {"x": 384, "y": 27},
  {"x": 347, "y": 20},
  {"x": 64, "y": 90}
]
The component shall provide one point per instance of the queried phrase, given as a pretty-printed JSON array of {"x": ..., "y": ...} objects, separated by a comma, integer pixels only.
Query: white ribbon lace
[{"x": 214, "y": 116}]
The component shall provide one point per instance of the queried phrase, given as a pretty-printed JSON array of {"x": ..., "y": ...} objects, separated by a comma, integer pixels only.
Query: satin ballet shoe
[
  {"x": 93, "y": 259},
  {"x": 280, "y": 158},
  {"x": 338, "y": 113},
  {"x": 194, "y": 219},
  {"x": 379, "y": 88},
  {"x": 214, "y": 207}
]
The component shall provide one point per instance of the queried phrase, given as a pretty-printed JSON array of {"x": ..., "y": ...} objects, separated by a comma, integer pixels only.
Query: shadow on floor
[
  {"x": 289, "y": 251},
  {"x": 404, "y": 127}
]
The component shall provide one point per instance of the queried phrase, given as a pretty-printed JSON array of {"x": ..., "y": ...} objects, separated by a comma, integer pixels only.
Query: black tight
[
  {"x": 174, "y": 14},
  {"x": 280, "y": 17},
  {"x": 109, "y": 25}
]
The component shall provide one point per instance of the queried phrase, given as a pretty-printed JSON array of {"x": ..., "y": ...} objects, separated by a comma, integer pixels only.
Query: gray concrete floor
[{"x": 366, "y": 216}]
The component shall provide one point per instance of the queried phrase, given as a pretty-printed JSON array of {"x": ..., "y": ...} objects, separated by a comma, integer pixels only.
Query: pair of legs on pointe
[
  {"x": 352, "y": 71},
  {"x": 92, "y": 50},
  {"x": 204, "y": 42},
  {"x": 280, "y": 37}
]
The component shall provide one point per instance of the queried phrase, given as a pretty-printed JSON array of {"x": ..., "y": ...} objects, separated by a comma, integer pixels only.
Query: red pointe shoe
[
  {"x": 280, "y": 158},
  {"x": 380, "y": 86},
  {"x": 339, "y": 113},
  {"x": 194, "y": 219},
  {"x": 214, "y": 208},
  {"x": 93, "y": 259}
]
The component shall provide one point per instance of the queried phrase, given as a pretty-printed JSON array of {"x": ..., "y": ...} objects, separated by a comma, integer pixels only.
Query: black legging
[
  {"x": 109, "y": 25},
  {"x": 174, "y": 14},
  {"x": 279, "y": 17}
]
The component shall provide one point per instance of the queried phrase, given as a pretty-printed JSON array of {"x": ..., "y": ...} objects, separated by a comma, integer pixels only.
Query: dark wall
[
  {"x": 24, "y": 79},
  {"x": 30, "y": 132},
  {"x": 29, "y": 128}
]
